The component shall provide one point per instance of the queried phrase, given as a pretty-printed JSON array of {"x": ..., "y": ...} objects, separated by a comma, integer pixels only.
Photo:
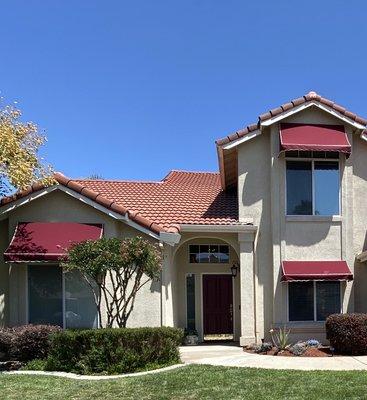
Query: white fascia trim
[
  {"x": 218, "y": 228},
  {"x": 243, "y": 139},
  {"x": 170, "y": 238},
  {"x": 364, "y": 136},
  {"x": 304, "y": 106}
]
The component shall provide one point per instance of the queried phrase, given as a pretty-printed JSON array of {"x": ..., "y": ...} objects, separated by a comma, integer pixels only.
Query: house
[{"x": 277, "y": 237}]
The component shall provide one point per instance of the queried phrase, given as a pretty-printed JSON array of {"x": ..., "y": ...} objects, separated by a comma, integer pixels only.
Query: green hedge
[
  {"x": 347, "y": 333},
  {"x": 113, "y": 351}
]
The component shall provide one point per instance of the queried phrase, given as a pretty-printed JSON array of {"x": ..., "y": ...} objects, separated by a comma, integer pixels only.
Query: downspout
[{"x": 256, "y": 282}]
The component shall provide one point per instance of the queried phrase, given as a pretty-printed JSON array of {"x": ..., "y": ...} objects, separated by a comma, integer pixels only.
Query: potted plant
[{"x": 191, "y": 337}]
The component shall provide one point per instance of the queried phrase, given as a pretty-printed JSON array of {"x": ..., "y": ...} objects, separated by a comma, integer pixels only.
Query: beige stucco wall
[
  {"x": 4, "y": 276},
  {"x": 58, "y": 206},
  {"x": 183, "y": 267},
  {"x": 262, "y": 196}
]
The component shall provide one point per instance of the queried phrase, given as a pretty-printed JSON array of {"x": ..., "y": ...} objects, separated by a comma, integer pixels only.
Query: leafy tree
[
  {"x": 115, "y": 270},
  {"x": 20, "y": 164}
]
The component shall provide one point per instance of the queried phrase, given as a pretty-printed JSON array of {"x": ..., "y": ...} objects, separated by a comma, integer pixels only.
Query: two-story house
[{"x": 277, "y": 237}]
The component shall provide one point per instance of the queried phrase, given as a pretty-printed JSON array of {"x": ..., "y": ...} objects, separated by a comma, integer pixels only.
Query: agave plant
[{"x": 280, "y": 338}]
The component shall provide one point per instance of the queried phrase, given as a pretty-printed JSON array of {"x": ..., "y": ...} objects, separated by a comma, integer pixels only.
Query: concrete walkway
[{"x": 234, "y": 356}]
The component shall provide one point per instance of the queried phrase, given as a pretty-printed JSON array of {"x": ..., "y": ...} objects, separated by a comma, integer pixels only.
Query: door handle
[{"x": 231, "y": 311}]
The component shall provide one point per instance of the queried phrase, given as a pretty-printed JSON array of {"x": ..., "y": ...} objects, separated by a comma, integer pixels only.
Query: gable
[
  {"x": 58, "y": 206},
  {"x": 310, "y": 108}
]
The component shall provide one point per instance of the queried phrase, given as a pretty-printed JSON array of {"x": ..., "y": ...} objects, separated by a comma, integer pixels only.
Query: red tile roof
[
  {"x": 309, "y": 97},
  {"x": 180, "y": 198}
]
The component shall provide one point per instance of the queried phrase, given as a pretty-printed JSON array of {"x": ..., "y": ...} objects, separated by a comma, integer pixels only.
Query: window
[
  {"x": 312, "y": 187},
  {"x": 45, "y": 295},
  {"x": 60, "y": 299},
  {"x": 208, "y": 253},
  {"x": 190, "y": 301},
  {"x": 313, "y": 301}
]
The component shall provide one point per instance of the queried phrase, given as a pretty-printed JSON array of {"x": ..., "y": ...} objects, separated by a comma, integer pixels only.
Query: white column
[
  {"x": 167, "y": 317},
  {"x": 247, "y": 288}
]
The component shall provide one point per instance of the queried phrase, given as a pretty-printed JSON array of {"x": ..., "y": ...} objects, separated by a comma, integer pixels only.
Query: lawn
[{"x": 194, "y": 382}]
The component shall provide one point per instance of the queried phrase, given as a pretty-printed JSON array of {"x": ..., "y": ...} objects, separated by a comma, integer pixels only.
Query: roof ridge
[
  {"x": 182, "y": 171},
  {"x": 114, "y": 180}
]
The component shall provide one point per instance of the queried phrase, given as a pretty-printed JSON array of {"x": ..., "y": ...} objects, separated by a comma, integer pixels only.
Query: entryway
[{"x": 218, "y": 307}]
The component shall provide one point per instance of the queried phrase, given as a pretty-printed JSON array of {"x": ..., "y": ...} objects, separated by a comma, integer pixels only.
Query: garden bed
[{"x": 323, "y": 351}]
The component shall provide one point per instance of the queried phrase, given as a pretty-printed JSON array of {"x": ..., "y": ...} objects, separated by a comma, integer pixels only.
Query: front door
[{"x": 218, "y": 305}]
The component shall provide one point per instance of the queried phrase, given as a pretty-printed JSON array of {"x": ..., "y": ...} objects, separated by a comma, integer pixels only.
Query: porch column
[
  {"x": 247, "y": 288},
  {"x": 167, "y": 312}
]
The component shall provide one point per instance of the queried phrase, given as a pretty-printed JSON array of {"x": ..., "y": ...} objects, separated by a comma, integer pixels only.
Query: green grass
[{"x": 194, "y": 382}]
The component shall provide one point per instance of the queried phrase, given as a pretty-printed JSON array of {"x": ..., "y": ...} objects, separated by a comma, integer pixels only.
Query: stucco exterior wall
[
  {"x": 254, "y": 196},
  {"x": 262, "y": 195},
  {"x": 359, "y": 159},
  {"x": 56, "y": 207},
  {"x": 4, "y": 276}
]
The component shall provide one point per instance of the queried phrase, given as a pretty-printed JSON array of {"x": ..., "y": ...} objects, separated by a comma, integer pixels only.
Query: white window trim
[
  {"x": 313, "y": 215},
  {"x": 63, "y": 296},
  {"x": 315, "y": 320},
  {"x": 209, "y": 244}
]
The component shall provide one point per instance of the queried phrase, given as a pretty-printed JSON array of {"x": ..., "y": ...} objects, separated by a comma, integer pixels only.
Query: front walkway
[{"x": 234, "y": 356}]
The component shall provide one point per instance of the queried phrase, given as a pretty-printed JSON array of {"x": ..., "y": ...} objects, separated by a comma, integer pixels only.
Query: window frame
[
  {"x": 28, "y": 265},
  {"x": 209, "y": 244},
  {"x": 314, "y": 303},
  {"x": 312, "y": 160}
]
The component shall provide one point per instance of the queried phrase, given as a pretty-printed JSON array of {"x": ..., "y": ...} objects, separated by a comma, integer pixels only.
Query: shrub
[
  {"x": 263, "y": 347},
  {"x": 35, "y": 365},
  {"x": 27, "y": 342},
  {"x": 113, "y": 351},
  {"x": 347, "y": 333},
  {"x": 313, "y": 343},
  {"x": 299, "y": 348},
  {"x": 6, "y": 336}
]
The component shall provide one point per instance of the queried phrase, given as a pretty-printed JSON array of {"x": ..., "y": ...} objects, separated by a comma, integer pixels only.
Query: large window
[
  {"x": 209, "y": 253},
  {"x": 312, "y": 187},
  {"x": 60, "y": 299},
  {"x": 313, "y": 301}
]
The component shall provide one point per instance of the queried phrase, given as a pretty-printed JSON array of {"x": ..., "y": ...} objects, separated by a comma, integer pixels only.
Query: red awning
[
  {"x": 48, "y": 241},
  {"x": 307, "y": 137},
  {"x": 316, "y": 270}
]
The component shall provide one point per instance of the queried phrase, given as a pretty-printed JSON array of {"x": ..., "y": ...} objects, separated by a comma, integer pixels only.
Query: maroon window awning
[
  {"x": 307, "y": 137},
  {"x": 316, "y": 270},
  {"x": 48, "y": 241}
]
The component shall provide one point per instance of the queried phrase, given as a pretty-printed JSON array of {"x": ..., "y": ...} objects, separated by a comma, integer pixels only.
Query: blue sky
[{"x": 132, "y": 89}]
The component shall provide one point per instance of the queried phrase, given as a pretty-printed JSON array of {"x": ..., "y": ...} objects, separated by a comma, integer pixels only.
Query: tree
[
  {"x": 115, "y": 270},
  {"x": 20, "y": 164}
]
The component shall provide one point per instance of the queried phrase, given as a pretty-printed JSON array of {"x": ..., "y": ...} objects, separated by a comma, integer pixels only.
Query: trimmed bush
[
  {"x": 27, "y": 342},
  {"x": 347, "y": 333},
  {"x": 113, "y": 351}
]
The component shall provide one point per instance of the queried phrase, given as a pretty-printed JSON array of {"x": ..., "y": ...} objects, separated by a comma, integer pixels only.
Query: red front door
[{"x": 218, "y": 304}]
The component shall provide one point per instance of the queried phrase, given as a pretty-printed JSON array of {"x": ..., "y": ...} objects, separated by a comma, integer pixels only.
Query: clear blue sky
[{"x": 132, "y": 89}]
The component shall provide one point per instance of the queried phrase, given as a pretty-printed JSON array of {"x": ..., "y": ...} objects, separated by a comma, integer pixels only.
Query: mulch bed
[{"x": 310, "y": 352}]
